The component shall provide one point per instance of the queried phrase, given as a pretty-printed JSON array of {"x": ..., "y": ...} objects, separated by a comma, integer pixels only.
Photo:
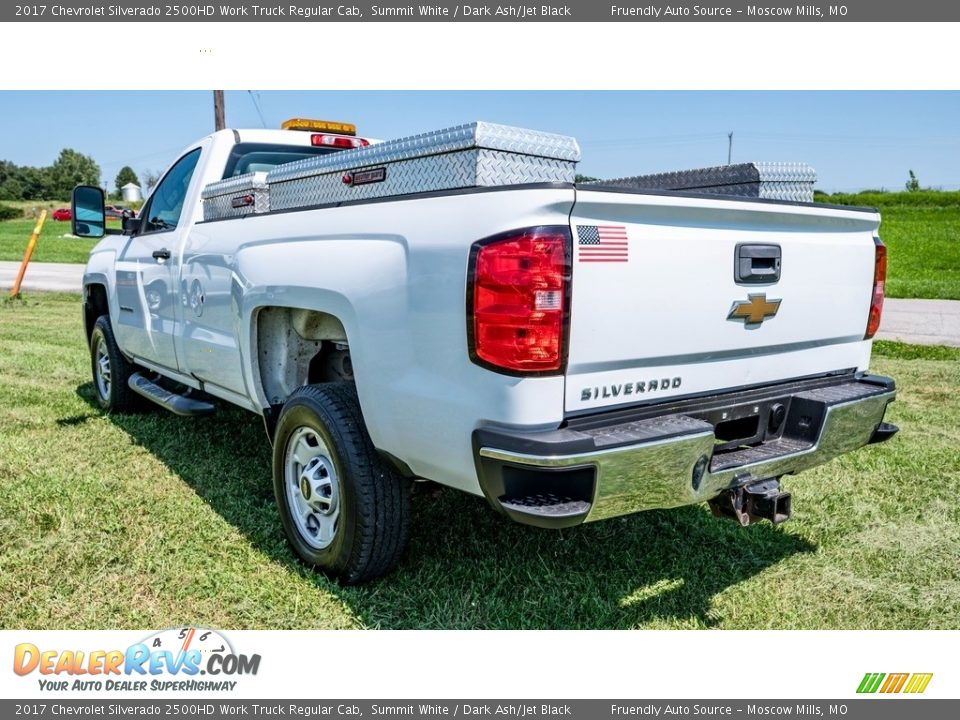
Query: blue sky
[{"x": 855, "y": 140}]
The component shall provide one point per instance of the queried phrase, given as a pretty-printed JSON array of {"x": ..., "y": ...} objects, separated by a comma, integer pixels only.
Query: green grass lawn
[
  {"x": 55, "y": 244},
  {"x": 922, "y": 234},
  {"x": 150, "y": 521},
  {"x": 923, "y": 250}
]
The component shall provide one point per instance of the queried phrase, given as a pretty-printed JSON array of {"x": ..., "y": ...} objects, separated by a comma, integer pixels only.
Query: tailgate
[{"x": 657, "y": 310}]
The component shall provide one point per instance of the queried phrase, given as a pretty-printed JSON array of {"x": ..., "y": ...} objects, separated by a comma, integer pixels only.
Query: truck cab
[{"x": 158, "y": 258}]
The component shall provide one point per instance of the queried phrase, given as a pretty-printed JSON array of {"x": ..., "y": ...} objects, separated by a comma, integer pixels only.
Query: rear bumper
[{"x": 621, "y": 463}]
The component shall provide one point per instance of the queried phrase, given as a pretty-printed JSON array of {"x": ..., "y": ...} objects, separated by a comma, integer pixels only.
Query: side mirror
[
  {"x": 131, "y": 225},
  {"x": 89, "y": 219}
]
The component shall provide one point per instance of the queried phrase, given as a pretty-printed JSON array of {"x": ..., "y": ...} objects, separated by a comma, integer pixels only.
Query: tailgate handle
[{"x": 756, "y": 263}]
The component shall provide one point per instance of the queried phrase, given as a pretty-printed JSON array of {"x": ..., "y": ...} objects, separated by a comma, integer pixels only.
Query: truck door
[
  {"x": 147, "y": 268},
  {"x": 209, "y": 291}
]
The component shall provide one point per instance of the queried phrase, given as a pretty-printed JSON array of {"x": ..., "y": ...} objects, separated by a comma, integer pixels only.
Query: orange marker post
[{"x": 15, "y": 290}]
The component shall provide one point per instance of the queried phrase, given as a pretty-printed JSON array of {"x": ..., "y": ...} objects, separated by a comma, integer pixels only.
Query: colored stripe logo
[{"x": 913, "y": 683}]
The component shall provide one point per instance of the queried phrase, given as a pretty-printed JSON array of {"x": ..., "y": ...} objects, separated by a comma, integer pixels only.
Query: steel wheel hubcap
[
  {"x": 102, "y": 369},
  {"x": 312, "y": 487}
]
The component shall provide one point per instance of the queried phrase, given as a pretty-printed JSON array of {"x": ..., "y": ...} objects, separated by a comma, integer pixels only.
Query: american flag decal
[{"x": 602, "y": 243}]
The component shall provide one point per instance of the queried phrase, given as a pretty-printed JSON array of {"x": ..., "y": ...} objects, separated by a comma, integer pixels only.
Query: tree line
[{"x": 56, "y": 181}]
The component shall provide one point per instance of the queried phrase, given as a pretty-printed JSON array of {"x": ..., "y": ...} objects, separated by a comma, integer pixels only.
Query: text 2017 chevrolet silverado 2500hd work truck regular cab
[{"x": 452, "y": 307}]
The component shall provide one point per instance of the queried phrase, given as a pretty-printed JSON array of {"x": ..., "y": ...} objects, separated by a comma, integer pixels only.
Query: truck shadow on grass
[{"x": 467, "y": 567}]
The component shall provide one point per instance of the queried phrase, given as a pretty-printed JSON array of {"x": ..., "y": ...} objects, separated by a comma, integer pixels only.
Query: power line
[
  {"x": 256, "y": 104},
  {"x": 760, "y": 136},
  {"x": 665, "y": 139}
]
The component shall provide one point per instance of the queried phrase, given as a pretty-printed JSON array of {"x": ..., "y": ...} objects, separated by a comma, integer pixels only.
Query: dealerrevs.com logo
[
  {"x": 168, "y": 660},
  {"x": 891, "y": 683}
]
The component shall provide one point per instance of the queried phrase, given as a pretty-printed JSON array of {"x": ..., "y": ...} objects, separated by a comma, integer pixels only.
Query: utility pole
[
  {"x": 729, "y": 147},
  {"x": 218, "y": 115}
]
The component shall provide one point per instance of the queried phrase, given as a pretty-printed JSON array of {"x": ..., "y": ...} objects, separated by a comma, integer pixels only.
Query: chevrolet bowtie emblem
[{"x": 755, "y": 310}]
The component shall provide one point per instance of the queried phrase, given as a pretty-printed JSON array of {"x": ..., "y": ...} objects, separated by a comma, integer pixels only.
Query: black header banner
[{"x": 446, "y": 11}]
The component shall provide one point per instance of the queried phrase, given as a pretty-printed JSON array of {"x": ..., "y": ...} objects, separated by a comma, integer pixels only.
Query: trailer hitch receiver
[{"x": 752, "y": 501}]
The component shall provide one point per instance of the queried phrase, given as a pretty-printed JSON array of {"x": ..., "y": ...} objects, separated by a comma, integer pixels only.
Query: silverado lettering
[{"x": 639, "y": 387}]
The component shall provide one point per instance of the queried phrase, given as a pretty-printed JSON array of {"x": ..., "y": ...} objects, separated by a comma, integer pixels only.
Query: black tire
[
  {"x": 369, "y": 533},
  {"x": 114, "y": 396}
]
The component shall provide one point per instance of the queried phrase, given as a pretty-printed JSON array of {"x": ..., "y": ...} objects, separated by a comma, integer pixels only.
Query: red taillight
[
  {"x": 518, "y": 300},
  {"x": 879, "y": 279},
  {"x": 338, "y": 141}
]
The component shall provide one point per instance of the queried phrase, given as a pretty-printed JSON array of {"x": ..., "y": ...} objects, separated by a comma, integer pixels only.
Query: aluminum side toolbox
[
  {"x": 771, "y": 180},
  {"x": 476, "y": 154},
  {"x": 235, "y": 197}
]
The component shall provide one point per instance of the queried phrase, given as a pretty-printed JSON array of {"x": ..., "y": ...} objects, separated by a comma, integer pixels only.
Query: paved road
[
  {"x": 60, "y": 277},
  {"x": 925, "y": 322}
]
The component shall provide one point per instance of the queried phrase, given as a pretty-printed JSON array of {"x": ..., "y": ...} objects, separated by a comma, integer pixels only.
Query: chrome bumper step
[
  {"x": 633, "y": 464},
  {"x": 545, "y": 509}
]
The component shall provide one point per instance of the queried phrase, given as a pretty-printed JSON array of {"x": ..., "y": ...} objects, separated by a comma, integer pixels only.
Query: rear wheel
[
  {"x": 344, "y": 510},
  {"x": 111, "y": 370}
]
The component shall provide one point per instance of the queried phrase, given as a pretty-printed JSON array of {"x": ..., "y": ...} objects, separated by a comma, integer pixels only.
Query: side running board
[{"x": 178, "y": 404}]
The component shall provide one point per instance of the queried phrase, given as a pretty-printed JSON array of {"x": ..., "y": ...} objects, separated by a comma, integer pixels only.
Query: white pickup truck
[{"x": 454, "y": 307}]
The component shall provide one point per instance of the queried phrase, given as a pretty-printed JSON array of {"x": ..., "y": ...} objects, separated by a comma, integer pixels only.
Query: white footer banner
[{"x": 205, "y": 663}]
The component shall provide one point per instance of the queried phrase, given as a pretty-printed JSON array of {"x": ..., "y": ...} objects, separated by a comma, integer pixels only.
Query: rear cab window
[{"x": 263, "y": 157}]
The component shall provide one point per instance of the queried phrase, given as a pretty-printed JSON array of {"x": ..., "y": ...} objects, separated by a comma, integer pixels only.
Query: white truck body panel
[{"x": 396, "y": 280}]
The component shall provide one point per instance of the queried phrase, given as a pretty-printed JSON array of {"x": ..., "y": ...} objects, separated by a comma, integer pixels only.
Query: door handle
[{"x": 161, "y": 254}]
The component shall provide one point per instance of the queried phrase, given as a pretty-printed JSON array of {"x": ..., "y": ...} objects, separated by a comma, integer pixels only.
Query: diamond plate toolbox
[
  {"x": 237, "y": 196},
  {"x": 476, "y": 154},
  {"x": 772, "y": 180}
]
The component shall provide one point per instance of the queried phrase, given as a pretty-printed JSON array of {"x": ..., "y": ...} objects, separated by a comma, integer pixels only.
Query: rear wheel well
[
  {"x": 297, "y": 347},
  {"x": 95, "y": 304}
]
